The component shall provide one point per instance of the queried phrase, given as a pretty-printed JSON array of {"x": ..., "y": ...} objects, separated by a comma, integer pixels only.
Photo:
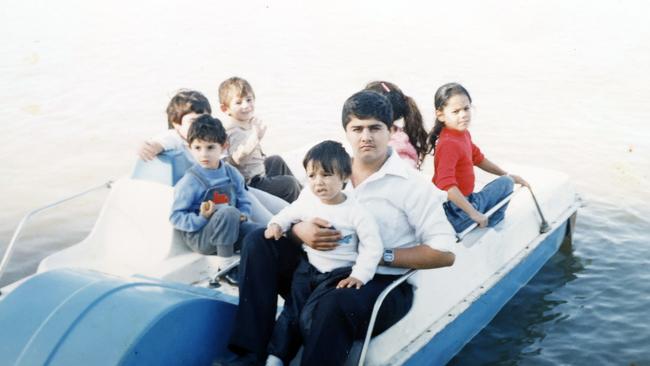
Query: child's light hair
[{"x": 234, "y": 87}]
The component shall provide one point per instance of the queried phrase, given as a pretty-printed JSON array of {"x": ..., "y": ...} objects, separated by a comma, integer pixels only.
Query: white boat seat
[{"x": 132, "y": 233}]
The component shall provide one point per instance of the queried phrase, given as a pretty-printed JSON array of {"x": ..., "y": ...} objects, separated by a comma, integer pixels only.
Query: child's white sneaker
[
  {"x": 227, "y": 270},
  {"x": 273, "y": 360},
  {"x": 226, "y": 263}
]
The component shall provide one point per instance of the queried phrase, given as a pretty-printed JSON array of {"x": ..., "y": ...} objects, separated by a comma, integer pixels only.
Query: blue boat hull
[
  {"x": 448, "y": 342},
  {"x": 79, "y": 317}
]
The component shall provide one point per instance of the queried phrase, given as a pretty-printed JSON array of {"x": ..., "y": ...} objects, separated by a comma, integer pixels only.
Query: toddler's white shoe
[{"x": 273, "y": 360}]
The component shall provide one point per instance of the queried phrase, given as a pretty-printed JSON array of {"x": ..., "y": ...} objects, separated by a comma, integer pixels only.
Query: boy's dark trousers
[
  {"x": 307, "y": 287},
  {"x": 222, "y": 235},
  {"x": 278, "y": 180}
]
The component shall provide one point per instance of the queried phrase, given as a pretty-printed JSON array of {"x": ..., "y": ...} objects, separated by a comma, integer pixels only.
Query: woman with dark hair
[{"x": 408, "y": 135}]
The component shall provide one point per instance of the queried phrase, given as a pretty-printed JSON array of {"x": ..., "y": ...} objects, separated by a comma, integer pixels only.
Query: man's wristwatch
[{"x": 389, "y": 257}]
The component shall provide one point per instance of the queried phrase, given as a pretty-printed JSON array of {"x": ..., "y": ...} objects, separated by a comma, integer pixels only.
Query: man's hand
[
  {"x": 349, "y": 283},
  {"x": 318, "y": 234},
  {"x": 149, "y": 149},
  {"x": 273, "y": 231},
  {"x": 207, "y": 209}
]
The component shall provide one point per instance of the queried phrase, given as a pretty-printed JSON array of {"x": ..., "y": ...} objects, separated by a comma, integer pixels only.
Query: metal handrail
[
  {"x": 375, "y": 311},
  {"x": 543, "y": 227},
  {"x": 489, "y": 213},
  {"x": 12, "y": 243}
]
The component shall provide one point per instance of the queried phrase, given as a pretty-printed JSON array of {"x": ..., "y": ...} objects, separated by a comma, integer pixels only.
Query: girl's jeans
[{"x": 482, "y": 201}]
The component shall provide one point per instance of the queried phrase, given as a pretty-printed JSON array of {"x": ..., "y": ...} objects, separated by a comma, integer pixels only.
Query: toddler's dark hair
[{"x": 331, "y": 156}]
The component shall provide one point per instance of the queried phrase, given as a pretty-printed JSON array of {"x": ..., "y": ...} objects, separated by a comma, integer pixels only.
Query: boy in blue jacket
[{"x": 210, "y": 207}]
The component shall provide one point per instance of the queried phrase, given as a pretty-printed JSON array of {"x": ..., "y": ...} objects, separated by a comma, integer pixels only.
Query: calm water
[{"x": 557, "y": 85}]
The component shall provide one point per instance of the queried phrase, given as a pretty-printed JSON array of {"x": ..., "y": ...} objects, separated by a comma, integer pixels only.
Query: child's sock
[
  {"x": 273, "y": 360},
  {"x": 224, "y": 262}
]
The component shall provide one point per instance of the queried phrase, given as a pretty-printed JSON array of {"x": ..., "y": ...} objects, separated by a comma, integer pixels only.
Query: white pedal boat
[{"x": 132, "y": 293}]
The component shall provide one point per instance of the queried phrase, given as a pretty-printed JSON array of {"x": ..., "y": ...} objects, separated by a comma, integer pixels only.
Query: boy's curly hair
[{"x": 207, "y": 128}]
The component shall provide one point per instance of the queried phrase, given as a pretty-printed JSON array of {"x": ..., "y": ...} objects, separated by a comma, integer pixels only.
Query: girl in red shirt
[{"x": 454, "y": 158}]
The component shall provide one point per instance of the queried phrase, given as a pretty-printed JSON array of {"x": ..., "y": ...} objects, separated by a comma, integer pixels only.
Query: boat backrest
[
  {"x": 133, "y": 228},
  {"x": 167, "y": 168}
]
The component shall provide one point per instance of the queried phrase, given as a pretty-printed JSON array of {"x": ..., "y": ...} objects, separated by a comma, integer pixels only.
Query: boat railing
[
  {"x": 21, "y": 224},
  {"x": 375, "y": 311},
  {"x": 489, "y": 213}
]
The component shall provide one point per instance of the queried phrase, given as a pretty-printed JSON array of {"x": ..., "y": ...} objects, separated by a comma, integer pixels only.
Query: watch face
[{"x": 388, "y": 256}]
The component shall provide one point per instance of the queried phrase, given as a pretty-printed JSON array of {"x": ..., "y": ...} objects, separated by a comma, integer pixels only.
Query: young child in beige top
[{"x": 245, "y": 132}]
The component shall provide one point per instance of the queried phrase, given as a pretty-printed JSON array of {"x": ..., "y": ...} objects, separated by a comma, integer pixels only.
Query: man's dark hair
[
  {"x": 367, "y": 104},
  {"x": 207, "y": 128},
  {"x": 331, "y": 157}
]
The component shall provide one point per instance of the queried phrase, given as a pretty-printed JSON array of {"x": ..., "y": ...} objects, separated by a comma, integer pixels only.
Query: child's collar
[
  {"x": 243, "y": 125},
  {"x": 221, "y": 165},
  {"x": 453, "y": 132}
]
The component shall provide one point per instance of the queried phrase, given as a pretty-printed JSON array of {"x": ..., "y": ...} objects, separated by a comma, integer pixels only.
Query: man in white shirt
[{"x": 413, "y": 227}]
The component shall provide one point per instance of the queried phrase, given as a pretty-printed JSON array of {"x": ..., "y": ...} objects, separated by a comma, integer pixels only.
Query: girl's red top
[{"x": 454, "y": 160}]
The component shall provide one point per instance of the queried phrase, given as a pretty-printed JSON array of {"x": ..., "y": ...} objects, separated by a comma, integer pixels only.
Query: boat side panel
[
  {"x": 454, "y": 336},
  {"x": 105, "y": 320},
  {"x": 194, "y": 334},
  {"x": 23, "y": 310}
]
